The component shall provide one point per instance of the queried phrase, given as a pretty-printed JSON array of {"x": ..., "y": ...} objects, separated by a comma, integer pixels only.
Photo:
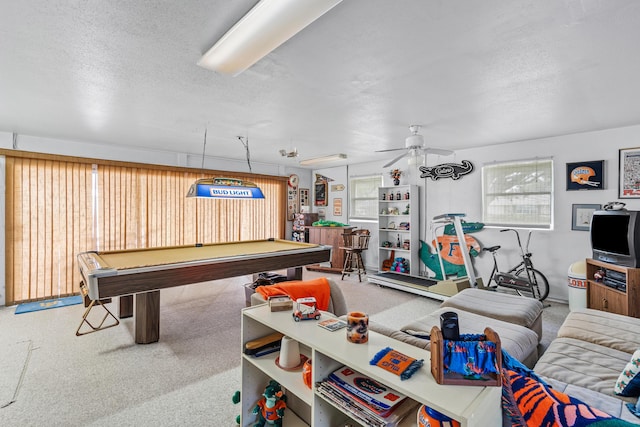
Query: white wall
[{"x": 553, "y": 250}]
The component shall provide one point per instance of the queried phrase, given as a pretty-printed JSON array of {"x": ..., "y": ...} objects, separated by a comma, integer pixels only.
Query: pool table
[{"x": 143, "y": 272}]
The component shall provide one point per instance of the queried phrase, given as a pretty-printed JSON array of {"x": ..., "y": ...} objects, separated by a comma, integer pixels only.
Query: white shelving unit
[
  {"x": 392, "y": 211},
  {"x": 472, "y": 406}
]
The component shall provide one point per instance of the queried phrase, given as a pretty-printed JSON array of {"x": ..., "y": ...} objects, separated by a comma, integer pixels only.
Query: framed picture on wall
[
  {"x": 581, "y": 216},
  {"x": 585, "y": 175},
  {"x": 629, "y": 173},
  {"x": 320, "y": 193}
]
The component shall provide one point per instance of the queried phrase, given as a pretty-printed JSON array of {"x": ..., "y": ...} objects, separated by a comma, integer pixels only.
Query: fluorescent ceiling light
[
  {"x": 225, "y": 188},
  {"x": 324, "y": 159},
  {"x": 265, "y": 27}
]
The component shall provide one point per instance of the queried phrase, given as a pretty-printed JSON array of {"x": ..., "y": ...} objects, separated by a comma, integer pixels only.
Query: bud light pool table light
[{"x": 225, "y": 188}]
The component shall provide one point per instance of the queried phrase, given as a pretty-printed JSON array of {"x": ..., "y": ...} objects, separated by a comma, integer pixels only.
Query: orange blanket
[{"x": 318, "y": 288}]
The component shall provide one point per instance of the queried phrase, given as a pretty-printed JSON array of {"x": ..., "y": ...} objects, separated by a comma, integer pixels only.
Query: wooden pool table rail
[{"x": 145, "y": 282}]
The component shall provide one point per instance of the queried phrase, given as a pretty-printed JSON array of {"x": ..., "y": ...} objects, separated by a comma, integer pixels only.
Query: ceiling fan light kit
[
  {"x": 265, "y": 27},
  {"x": 289, "y": 154},
  {"x": 324, "y": 159}
]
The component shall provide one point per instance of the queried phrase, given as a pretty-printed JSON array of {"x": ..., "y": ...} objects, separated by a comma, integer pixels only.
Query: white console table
[{"x": 472, "y": 406}]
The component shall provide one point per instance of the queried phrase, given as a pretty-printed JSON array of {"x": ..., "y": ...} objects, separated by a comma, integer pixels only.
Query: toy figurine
[{"x": 270, "y": 408}]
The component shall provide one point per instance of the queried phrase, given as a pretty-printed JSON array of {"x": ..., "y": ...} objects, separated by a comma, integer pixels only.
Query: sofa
[
  {"x": 588, "y": 355},
  {"x": 585, "y": 360},
  {"x": 337, "y": 303}
]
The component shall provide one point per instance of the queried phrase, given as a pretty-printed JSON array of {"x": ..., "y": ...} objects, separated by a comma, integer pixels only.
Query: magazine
[
  {"x": 332, "y": 324},
  {"x": 366, "y": 389}
]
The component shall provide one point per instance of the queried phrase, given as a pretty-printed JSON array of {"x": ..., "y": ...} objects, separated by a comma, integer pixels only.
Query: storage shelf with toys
[
  {"x": 398, "y": 222},
  {"x": 330, "y": 352}
]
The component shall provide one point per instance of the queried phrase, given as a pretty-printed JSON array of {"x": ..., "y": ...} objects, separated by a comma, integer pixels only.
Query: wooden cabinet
[
  {"x": 618, "y": 292},
  {"x": 329, "y": 236},
  {"x": 472, "y": 406}
]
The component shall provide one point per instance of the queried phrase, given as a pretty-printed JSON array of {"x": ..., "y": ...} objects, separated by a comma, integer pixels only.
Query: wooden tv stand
[{"x": 600, "y": 296}]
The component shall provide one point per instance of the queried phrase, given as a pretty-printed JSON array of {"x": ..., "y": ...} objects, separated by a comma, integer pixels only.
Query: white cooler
[{"x": 577, "y": 285}]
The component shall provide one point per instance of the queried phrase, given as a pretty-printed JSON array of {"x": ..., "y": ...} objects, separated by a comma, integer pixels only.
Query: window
[
  {"x": 363, "y": 197},
  {"x": 518, "y": 194}
]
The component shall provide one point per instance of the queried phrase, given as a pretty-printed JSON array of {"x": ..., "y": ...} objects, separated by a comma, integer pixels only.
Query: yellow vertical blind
[
  {"x": 57, "y": 209},
  {"x": 48, "y": 213}
]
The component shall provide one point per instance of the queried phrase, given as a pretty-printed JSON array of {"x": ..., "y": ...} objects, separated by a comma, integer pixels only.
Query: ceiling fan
[{"x": 414, "y": 145}]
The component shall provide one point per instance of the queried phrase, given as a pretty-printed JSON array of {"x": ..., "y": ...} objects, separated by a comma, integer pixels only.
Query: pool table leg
[
  {"x": 147, "y": 318},
  {"x": 126, "y": 306},
  {"x": 294, "y": 273}
]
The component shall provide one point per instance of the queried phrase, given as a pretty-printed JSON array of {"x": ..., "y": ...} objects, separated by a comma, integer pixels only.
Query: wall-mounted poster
[
  {"x": 337, "y": 207},
  {"x": 303, "y": 194},
  {"x": 581, "y": 216},
  {"x": 629, "y": 173},
  {"x": 320, "y": 193},
  {"x": 585, "y": 175}
]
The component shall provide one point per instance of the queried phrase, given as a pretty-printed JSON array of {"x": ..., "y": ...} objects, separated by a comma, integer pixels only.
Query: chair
[
  {"x": 355, "y": 243},
  {"x": 337, "y": 302}
]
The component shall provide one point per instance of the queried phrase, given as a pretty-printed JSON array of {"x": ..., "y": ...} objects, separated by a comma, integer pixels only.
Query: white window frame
[
  {"x": 518, "y": 194},
  {"x": 356, "y": 199}
]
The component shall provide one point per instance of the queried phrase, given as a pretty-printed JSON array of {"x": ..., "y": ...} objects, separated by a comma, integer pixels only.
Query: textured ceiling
[{"x": 471, "y": 72}]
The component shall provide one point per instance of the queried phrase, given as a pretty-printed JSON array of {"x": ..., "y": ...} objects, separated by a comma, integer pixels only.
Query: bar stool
[{"x": 355, "y": 243}]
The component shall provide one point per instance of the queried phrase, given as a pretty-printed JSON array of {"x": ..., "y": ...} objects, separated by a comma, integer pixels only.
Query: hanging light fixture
[{"x": 223, "y": 188}]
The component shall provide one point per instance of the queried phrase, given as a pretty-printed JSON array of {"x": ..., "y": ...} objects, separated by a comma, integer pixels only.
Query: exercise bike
[{"x": 523, "y": 278}]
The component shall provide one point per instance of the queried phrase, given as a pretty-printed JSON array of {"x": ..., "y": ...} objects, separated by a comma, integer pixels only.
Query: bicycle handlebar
[{"x": 525, "y": 249}]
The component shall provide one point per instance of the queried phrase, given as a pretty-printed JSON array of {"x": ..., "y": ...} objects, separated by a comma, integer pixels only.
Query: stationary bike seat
[{"x": 491, "y": 248}]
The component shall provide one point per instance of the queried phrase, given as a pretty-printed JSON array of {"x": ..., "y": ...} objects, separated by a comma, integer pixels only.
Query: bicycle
[{"x": 523, "y": 278}]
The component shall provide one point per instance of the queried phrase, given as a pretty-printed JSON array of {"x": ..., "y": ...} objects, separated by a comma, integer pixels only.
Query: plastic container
[
  {"x": 577, "y": 282},
  {"x": 428, "y": 417}
]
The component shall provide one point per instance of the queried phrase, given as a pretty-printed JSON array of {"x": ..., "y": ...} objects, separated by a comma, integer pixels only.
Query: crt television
[{"x": 615, "y": 237}]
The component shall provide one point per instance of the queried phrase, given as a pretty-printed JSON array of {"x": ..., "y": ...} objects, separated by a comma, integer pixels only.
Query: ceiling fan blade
[
  {"x": 390, "y": 149},
  {"x": 439, "y": 151},
  {"x": 395, "y": 160}
]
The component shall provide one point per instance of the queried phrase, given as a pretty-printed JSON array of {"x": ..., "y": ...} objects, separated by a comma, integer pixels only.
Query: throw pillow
[{"x": 628, "y": 383}]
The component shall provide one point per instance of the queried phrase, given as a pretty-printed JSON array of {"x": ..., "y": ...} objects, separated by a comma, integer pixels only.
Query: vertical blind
[
  {"x": 57, "y": 209},
  {"x": 518, "y": 194}
]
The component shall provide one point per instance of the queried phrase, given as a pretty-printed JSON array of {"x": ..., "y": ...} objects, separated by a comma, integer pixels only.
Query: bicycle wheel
[{"x": 542, "y": 290}]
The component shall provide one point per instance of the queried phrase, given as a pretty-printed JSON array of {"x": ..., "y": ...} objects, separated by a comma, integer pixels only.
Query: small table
[{"x": 144, "y": 272}]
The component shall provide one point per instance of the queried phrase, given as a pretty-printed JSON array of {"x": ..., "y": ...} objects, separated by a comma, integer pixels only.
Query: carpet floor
[{"x": 50, "y": 377}]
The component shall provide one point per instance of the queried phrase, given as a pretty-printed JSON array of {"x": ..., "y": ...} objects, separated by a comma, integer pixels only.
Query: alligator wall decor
[{"x": 447, "y": 170}]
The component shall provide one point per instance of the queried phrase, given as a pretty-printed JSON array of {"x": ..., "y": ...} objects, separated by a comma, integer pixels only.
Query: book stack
[{"x": 365, "y": 399}]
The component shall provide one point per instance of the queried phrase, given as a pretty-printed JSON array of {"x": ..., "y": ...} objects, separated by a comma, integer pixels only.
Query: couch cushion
[
  {"x": 628, "y": 383},
  {"x": 518, "y": 341},
  {"x": 583, "y": 364},
  {"x": 608, "y": 404},
  {"x": 599, "y": 327},
  {"x": 510, "y": 308}
]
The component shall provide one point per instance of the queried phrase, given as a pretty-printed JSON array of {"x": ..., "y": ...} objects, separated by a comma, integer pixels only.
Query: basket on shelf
[{"x": 482, "y": 362}]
